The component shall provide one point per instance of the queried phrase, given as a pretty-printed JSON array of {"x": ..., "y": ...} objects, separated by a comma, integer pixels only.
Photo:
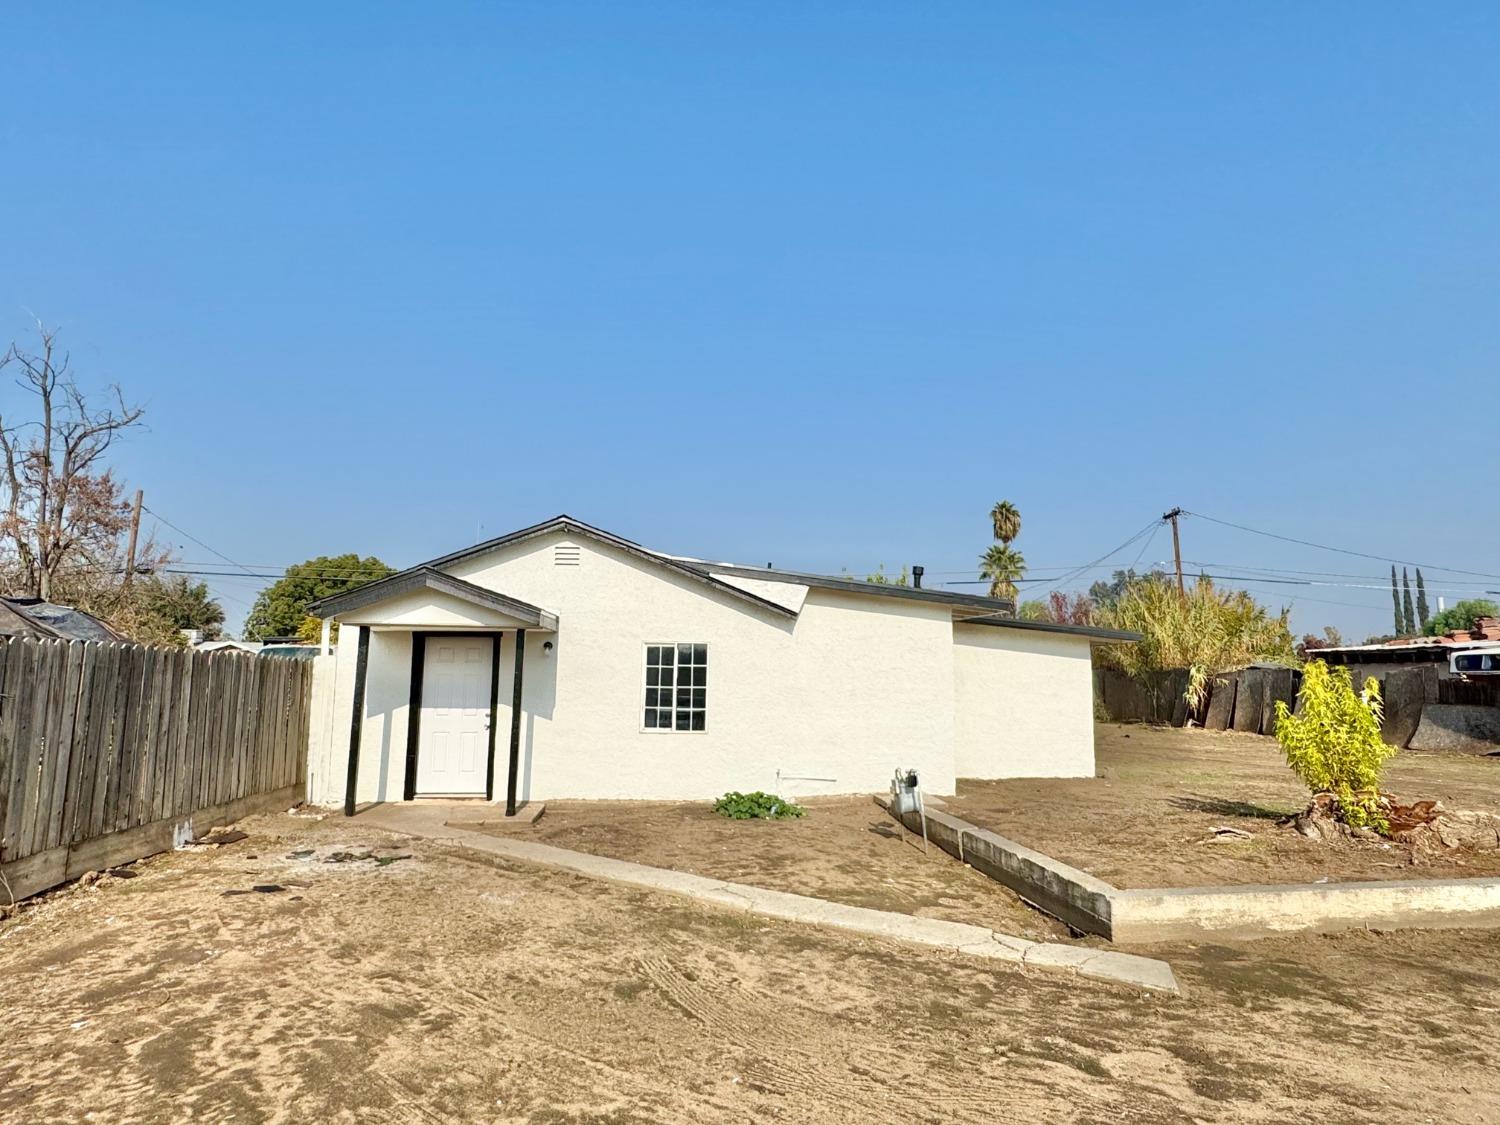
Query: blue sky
[{"x": 811, "y": 284}]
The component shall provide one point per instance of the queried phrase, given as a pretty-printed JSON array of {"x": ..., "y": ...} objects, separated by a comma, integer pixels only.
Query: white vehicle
[{"x": 1476, "y": 663}]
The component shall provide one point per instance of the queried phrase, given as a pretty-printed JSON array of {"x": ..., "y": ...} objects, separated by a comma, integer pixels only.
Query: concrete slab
[
  {"x": 973, "y": 941},
  {"x": 492, "y": 817}
]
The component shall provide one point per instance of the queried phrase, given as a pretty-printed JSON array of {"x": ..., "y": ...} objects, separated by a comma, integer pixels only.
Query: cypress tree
[
  {"x": 1409, "y": 614},
  {"x": 1422, "y": 615},
  {"x": 1396, "y": 600}
]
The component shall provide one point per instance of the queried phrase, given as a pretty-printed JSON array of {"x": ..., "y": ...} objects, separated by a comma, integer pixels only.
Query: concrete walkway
[{"x": 430, "y": 822}]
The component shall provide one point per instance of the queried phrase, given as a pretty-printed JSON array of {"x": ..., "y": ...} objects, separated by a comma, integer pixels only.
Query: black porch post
[
  {"x": 414, "y": 714},
  {"x": 489, "y": 755},
  {"x": 515, "y": 727},
  {"x": 357, "y": 721}
]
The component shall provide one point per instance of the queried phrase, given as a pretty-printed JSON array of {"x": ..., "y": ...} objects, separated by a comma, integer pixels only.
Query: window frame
[{"x": 640, "y": 701}]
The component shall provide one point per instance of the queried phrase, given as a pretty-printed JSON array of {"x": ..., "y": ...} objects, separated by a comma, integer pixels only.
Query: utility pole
[
  {"x": 135, "y": 531},
  {"x": 1176, "y": 548}
]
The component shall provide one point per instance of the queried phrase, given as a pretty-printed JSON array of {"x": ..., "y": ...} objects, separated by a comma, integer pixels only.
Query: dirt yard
[
  {"x": 1145, "y": 821},
  {"x": 846, "y": 849},
  {"x": 441, "y": 989}
]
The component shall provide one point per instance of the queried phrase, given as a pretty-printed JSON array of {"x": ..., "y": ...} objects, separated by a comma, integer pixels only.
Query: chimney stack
[{"x": 916, "y": 577}]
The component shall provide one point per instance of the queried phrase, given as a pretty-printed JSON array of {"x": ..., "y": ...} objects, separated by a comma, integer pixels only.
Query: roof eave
[
  {"x": 424, "y": 577},
  {"x": 1092, "y": 632},
  {"x": 858, "y": 586}
]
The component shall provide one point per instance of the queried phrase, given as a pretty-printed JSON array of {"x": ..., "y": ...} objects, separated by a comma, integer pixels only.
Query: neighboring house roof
[
  {"x": 426, "y": 578},
  {"x": 1407, "y": 650},
  {"x": 991, "y": 611},
  {"x": 32, "y": 617},
  {"x": 215, "y": 646},
  {"x": 1436, "y": 650}
]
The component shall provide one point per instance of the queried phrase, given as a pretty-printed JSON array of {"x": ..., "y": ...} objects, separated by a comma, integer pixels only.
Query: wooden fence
[
  {"x": 1424, "y": 710},
  {"x": 110, "y": 752},
  {"x": 1244, "y": 700}
]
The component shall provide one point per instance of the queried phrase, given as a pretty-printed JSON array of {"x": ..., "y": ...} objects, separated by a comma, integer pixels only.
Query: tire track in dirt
[{"x": 876, "y": 1085}]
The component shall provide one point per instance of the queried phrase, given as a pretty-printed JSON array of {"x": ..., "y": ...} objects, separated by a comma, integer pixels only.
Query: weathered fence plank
[
  {"x": 31, "y": 739},
  {"x": 7, "y": 677},
  {"x": 60, "y": 742},
  {"x": 127, "y": 709},
  {"x": 1221, "y": 691},
  {"x": 101, "y": 734}
]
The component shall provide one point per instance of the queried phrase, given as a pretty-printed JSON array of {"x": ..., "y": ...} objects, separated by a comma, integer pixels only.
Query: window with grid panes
[{"x": 676, "y": 687}]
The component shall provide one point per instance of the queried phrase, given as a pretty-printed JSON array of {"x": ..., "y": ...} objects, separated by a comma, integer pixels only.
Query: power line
[
  {"x": 1146, "y": 546},
  {"x": 1373, "y": 582},
  {"x": 1065, "y": 579},
  {"x": 163, "y": 519},
  {"x": 1338, "y": 550}
]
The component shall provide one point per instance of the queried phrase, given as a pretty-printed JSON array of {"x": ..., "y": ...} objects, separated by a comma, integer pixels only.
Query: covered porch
[{"x": 439, "y": 665}]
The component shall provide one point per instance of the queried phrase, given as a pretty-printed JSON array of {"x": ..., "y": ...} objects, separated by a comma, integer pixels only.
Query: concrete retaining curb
[
  {"x": 1091, "y": 905},
  {"x": 1192, "y": 913},
  {"x": 958, "y": 937}
]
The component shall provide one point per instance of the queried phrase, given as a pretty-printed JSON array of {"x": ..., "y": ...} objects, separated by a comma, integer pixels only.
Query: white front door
[{"x": 453, "y": 742}]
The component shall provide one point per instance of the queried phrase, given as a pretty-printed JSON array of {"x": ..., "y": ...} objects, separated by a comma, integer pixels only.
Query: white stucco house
[{"x": 564, "y": 661}]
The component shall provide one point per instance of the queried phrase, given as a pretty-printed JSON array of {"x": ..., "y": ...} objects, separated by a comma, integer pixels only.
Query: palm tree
[
  {"x": 1002, "y": 565},
  {"x": 1007, "y": 520}
]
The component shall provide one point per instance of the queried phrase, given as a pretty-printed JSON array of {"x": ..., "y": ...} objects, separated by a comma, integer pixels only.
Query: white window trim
[{"x": 640, "y": 701}]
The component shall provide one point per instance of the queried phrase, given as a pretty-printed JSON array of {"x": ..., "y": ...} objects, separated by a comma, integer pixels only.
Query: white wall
[
  {"x": 831, "y": 701},
  {"x": 382, "y": 746},
  {"x": 848, "y": 691},
  {"x": 1023, "y": 703},
  {"x": 325, "y": 752}
]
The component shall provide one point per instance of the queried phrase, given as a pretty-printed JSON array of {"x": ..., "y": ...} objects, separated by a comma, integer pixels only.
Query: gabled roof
[
  {"x": 426, "y": 578},
  {"x": 599, "y": 535},
  {"x": 986, "y": 611}
]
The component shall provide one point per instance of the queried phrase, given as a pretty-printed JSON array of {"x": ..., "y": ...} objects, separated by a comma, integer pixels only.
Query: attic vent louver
[{"x": 567, "y": 554}]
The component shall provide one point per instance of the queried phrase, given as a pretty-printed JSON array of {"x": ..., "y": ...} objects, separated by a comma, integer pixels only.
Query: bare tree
[{"x": 64, "y": 510}]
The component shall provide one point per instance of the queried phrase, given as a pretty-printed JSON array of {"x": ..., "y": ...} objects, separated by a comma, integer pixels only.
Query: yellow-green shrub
[{"x": 1334, "y": 744}]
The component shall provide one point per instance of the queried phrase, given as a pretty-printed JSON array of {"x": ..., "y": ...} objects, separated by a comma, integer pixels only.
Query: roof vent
[{"x": 567, "y": 554}]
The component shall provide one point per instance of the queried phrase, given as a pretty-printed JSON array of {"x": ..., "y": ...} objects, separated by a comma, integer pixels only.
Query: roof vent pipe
[{"x": 916, "y": 577}]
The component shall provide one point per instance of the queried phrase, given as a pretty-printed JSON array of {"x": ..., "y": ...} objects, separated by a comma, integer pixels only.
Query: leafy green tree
[
  {"x": 881, "y": 578},
  {"x": 1422, "y": 615},
  {"x": 280, "y": 608},
  {"x": 1103, "y": 593},
  {"x": 1461, "y": 615},
  {"x": 1396, "y": 603},
  {"x": 179, "y": 603},
  {"x": 1058, "y": 608},
  {"x": 1034, "y": 609},
  {"x": 1311, "y": 642},
  {"x": 1408, "y": 614}
]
